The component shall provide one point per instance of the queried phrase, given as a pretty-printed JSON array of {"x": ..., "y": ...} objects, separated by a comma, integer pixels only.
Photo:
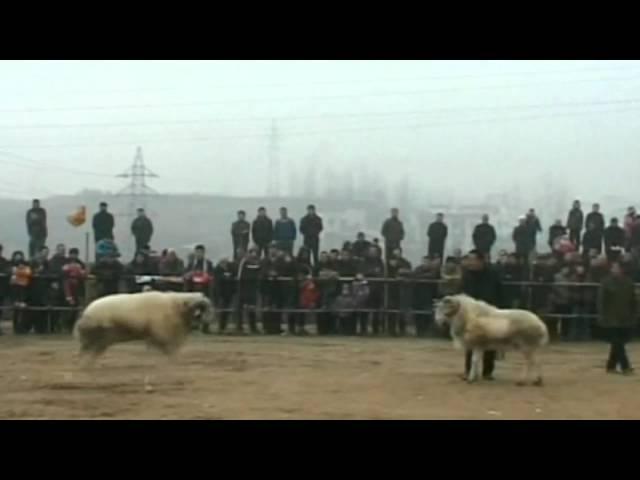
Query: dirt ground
[{"x": 304, "y": 378}]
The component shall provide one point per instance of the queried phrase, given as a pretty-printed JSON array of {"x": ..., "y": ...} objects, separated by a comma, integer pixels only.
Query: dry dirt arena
[{"x": 221, "y": 377}]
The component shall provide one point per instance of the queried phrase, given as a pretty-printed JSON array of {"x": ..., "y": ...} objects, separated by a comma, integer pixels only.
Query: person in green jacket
[{"x": 617, "y": 316}]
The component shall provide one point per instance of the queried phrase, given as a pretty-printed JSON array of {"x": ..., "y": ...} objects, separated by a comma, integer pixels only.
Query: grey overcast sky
[{"x": 476, "y": 126}]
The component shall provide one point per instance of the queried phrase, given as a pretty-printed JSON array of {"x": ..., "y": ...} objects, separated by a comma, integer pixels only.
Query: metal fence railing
[{"x": 408, "y": 301}]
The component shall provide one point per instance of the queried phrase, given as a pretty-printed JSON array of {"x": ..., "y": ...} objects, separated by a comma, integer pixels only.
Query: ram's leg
[
  {"x": 474, "y": 372},
  {"x": 528, "y": 361}
]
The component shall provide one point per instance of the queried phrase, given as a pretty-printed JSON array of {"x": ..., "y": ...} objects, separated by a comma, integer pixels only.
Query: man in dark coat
[
  {"x": 595, "y": 218},
  {"x": 484, "y": 237},
  {"x": 614, "y": 240},
  {"x": 482, "y": 282},
  {"x": 36, "y": 228},
  {"x": 522, "y": 240},
  {"x": 392, "y": 232},
  {"x": 310, "y": 228},
  {"x": 437, "y": 234},
  {"x": 556, "y": 231},
  {"x": 103, "y": 224},
  {"x": 142, "y": 229},
  {"x": 592, "y": 239},
  {"x": 360, "y": 247},
  {"x": 285, "y": 232},
  {"x": 575, "y": 222},
  {"x": 240, "y": 230},
  {"x": 617, "y": 316},
  {"x": 262, "y": 232},
  {"x": 533, "y": 227}
]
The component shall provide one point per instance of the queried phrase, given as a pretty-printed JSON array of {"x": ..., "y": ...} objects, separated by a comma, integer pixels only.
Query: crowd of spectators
[{"x": 365, "y": 287}]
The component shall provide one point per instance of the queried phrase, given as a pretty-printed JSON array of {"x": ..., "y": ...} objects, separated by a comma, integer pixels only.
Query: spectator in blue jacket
[{"x": 284, "y": 232}]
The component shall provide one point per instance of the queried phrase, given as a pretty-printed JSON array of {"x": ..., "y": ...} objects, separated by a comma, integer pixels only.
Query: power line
[
  {"x": 306, "y": 98},
  {"x": 28, "y": 162}
]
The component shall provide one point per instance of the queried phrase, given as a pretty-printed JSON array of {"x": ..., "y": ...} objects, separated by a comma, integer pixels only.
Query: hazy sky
[{"x": 203, "y": 125}]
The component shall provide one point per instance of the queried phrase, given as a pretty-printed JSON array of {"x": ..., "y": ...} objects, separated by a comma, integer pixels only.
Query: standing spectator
[
  {"x": 361, "y": 292},
  {"x": 225, "y": 274},
  {"x": 400, "y": 292},
  {"x": 5, "y": 276},
  {"x": 557, "y": 230},
  {"x": 284, "y": 232},
  {"x": 561, "y": 300},
  {"x": 240, "y": 230},
  {"x": 482, "y": 282},
  {"x": 73, "y": 275},
  {"x": 629, "y": 221},
  {"x": 614, "y": 240},
  {"x": 310, "y": 228},
  {"x": 303, "y": 261},
  {"x": 262, "y": 232},
  {"x": 361, "y": 246},
  {"x": 484, "y": 237},
  {"x": 511, "y": 271},
  {"x": 140, "y": 266},
  {"x": 437, "y": 234},
  {"x": 392, "y": 232},
  {"x": 533, "y": 227},
  {"x": 57, "y": 295},
  {"x": 425, "y": 293},
  {"x": 108, "y": 271},
  {"x": 249, "y": 273},
  {"x": 309, "y": 298},
  {"x": 575, "y": 222},
  {"x": 171, "y": 265},
  {"x": 103, "y": 224},
  {"x": 372, "y": 267},
  {"x": 595, "y": 218},
  {"x": 451, "y": 274},
  {"x": 39, "y": 293},
  {"x": 522, "y": 240},
  {"x": 21, "y": 279},
  {"x": 617, "y": 316},
  {"x": 592, "y": 240},
  {"x": 142, "y": 229},
  {"x": 328, "y": 285},
  {"x": 36, "y": 228}
]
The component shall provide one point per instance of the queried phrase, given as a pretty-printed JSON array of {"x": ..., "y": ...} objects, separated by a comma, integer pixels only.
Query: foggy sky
[{"x": 473, "y": 126}]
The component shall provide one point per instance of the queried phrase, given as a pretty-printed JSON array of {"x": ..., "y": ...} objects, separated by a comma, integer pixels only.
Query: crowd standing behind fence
[{"x": 353, "y": 290}]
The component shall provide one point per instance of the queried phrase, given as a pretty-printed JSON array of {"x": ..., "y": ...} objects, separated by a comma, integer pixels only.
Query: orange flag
[{"x": 79, "y": 217}]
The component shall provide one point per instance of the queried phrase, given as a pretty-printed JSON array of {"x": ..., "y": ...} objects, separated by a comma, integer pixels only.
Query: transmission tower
[
  {"x": 137, "y": 190},
  {"x": 273, "y": 188}
]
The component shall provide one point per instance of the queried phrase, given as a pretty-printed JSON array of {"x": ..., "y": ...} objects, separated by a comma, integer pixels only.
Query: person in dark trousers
[
  {"x": 425, "y": 293},
  {"x": 373, "y": 268},
  {"x": 592, "y": 240},
  {"x": 39, "y": 293},
  {"x": 575, "y": 222},
  {"x": 108, "y": 271},
  {"x": 482, "y": 282},
  {"x": 249, "y": 283},
  {"x": 57, "y": 294},
  {"x": 310, "y": 228},
  {"x": 360, "y": 247},
  {"x": 614, "y": 240},
  {"x": 5, "y": 277},
  {"x": 484, "y": 237},
  {"x": 103, "y": 224},
  {"x": 595, "y": 218},
  {"x": 393, "y": 233},
  {"x": 142, "y": 229},
  {"x": 225, "y": 288},
  {"x": 240, "y": 231},
  {"x": 533, "y": 228},
  {"x": 617, "y": 316},
  {"x": 557, "y": 230},
  {"x": 285, "y": 232},
  {"x": 262, "y": 232},
  {"x": 437, "y": 234},
  {"x": 522, "y": 241},
  {"x": 36, "y": 228}
]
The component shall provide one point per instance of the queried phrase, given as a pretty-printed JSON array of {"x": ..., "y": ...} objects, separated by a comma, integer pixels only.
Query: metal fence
[{"x": 407, "y": 300}]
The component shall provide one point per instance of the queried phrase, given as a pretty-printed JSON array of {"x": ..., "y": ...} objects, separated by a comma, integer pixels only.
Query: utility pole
[
  {"x": 273, "y": 187},
  {"x": 137, "y": 190}
]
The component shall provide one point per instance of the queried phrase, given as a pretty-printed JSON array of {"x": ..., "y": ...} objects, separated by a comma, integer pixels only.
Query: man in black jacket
[
  {"x": 592, "y": 240},
  {"x": 36, "y": 228},
  {"x": 437, "y": 234},
  {"x": 482, "y": 282},
  {"x": 575, "y": 222},
  {"x": 310, "y": 228},
  {"x": 142, "y": 229},
  {"x": 392, "y": 232},
  {"x": 360, "y": 247},
  {"x": 484, "y": 237},
  {"x": 522, "y": 241},
  {"x": 595, "y": 218},
  {"x": 614, "y": 240},
  {"x": 262, "y": 232},
  {"x": 103, "y": 224},
  {"x": 240, "y": 230},
  {"x": 556, "y": 231}
]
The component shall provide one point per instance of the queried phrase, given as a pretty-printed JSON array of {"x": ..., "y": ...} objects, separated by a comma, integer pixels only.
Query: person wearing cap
[
  {"x": 103, "y": 224},
  {"x": 142, "y": 229},
  {"x": 311, "y": 227}
]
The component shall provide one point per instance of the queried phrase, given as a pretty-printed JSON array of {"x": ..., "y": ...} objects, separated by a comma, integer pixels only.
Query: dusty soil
[{"x": 304, "y": 378}]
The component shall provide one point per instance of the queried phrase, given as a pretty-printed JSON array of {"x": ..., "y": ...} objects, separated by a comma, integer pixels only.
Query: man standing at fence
[
  {"x": 142, "y": 230},
  {"x": 240, "y": 230},
  {"x": 484, "y": 237},
  {"x": 284, "y": 232},
  {"x": 482, "y": 282},
  {"x": 311, "y": 227},
  {"x": 393, "y": 233},
  {"x": 437, "y": 234},
  {"x": 36, "y": 228},
  {"x": 103, "y": 224},
  {"x": 575, "y": 222},
  {"x": 262, "y": 232}
]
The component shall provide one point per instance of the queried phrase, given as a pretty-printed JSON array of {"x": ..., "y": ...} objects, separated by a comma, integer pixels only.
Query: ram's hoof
[{"x": 538, "y": 382}]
